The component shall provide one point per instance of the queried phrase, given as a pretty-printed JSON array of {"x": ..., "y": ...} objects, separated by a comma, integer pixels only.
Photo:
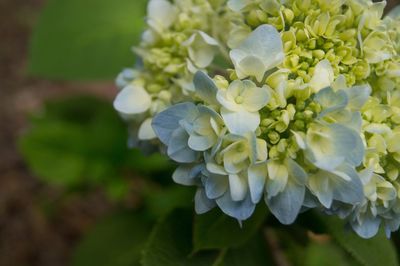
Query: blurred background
[{"x": 64, "y": 163}]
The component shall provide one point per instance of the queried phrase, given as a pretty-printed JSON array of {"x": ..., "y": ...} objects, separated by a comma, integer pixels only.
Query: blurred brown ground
[{"x": 28, "y": 236}]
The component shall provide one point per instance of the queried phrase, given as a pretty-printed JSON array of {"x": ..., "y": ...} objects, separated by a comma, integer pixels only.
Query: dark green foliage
[
  {"x": 369, "y": 252},
  {"x": 80, "y": 142},
  {"x": 117, "y": 241},
  {"x": 170, "y": 243},
  {"x": 217, "y": 230}
]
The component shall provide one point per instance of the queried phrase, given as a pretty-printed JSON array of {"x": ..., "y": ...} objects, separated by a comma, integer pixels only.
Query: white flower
[
  {"x": 343, "y": 185},
  {"x": 323, "y": 76},
  {"x": 285, "y": 189},
  {"x": 146, "y": 132},
  {"x": 244, "y": 151},
  {"x": 240, "y": 105},
  {"x": 161, "y": 14},
  {"x": 328, "y": 146},
  {"x": 261, "y": 51},
  {"x": 202, "y": 49},
  {"x": 132, "y": 99}
]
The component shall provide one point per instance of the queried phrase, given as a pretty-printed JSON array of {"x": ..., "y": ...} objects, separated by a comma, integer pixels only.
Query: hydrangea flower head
[{"x": 293, "y": 104}]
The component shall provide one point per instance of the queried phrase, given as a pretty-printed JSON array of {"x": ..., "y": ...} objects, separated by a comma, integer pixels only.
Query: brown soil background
[{"x": 28, "y": 236}]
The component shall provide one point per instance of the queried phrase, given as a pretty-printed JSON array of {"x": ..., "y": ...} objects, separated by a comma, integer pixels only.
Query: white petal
[
  {"x": 263, "y": 48},
  {"x": 323, "y": 76},
  {"x": 255, "y": 98},
  {"x": 251, "y": 66},
  {"x": 286, "y": 205},
  {"x": 237, "y": 5},
  {"x": 201, "y": 143},
  {"x": 161, "y": 14},
  {"x": 132, "y": 100},
  {"x": 201, "y": 48},
  {"x": 238, "y": 187},
  {"x": 240, "y": 122},
  {"x": 256, "y": 178},
  {"x": 146, "y": 131}
]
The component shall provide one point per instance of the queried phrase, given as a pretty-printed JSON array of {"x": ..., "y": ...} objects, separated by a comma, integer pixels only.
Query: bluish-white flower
[
  {"x": 240, "y": 105},
  {"x": 261, "y": 51},
  {"x": 132, "y": 99},
  {"x": 285, "y": 189},
  {"x": 323, "y": 76},
  {"x": 202, "y": 49},
  {"x": 161, "y": 14},
  {"x": 341, "y": 184}
]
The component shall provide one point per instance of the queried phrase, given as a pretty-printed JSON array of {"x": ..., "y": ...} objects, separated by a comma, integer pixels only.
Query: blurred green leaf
[
  {"x": 252, "y": 253},
  {"x": 116, "y": 241},
  {"x": 159, "y": 202},
  {"x": 82, "y": 141},
  {"x": 326, "y": 254},
  {"x": 170, "y": 243},
  {"x": 376, "y": 251},
  {"x": 217, "y": 230},
  {"x": 82, "y": 40}
]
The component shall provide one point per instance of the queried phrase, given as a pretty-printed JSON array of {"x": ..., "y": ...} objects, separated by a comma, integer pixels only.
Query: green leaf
[
  {"x": 254, "y": 253},
  {"x": 159, "y": 202},
  {"x": 81, "y": 141},
  {"x": 216, "y": 230},
  {"x": 83, "y": 40},
  {"x": 326, "y": 254},
  {"x": 170, "y": 243},
  {"x": 117, "y": 241},
  {"x": 376, "y": 251}
]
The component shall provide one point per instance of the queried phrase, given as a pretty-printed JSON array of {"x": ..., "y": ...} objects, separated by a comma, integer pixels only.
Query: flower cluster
[{"x": 295, "y": 103}]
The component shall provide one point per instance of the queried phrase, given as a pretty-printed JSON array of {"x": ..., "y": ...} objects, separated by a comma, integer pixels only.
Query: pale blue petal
[
  {"x": 296, "y": 172},
  {"x": 394, "y": 13},
  {"x": 202, "y": 204},
  {"x": 237, "y": 5},
  {"x": 275, "y": 186},
  {"x": 256, "y": 179},
  {"x": 178, "y": 148},
  {"x": 347, "y": 191},
  {"x": 205, "y": 88},
  {"x": 330, "y": 100},
  {"x": 310, "y": 201},
  {"x": 286, "y": 205},
  {"x": 358, "y": 96},
  {"x": 240, "y": 210},
  {"x": 356, "y": 156},
  {"x": 165, "y": 122},
  {"x": 368, "y": 228},
  {"x": 325, "y": 197},
  {"x": 216, "y": 185},
  {"x": 187, "y": 174},
  {"x": 319, "y": 187}
]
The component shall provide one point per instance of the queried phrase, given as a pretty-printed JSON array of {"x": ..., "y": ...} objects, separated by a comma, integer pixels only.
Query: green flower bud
[{"x": 273, "y": 137}]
